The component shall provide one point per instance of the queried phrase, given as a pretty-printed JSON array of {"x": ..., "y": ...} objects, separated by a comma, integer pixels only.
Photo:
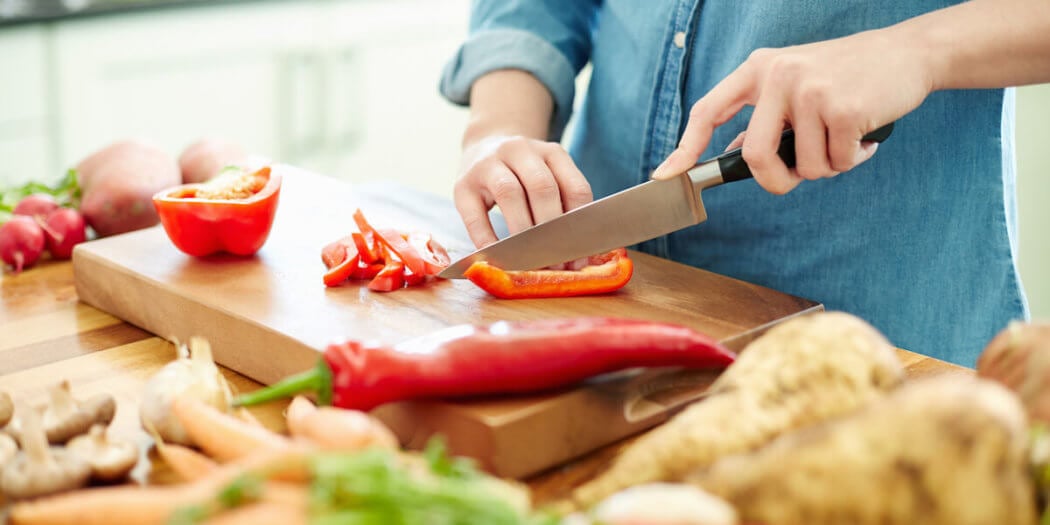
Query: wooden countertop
[{"x": 46, "y": 335}]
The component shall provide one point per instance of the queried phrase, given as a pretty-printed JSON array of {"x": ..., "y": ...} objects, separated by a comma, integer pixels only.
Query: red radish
[
  {"x": 36, "y": 205},
  {"x": 21, "y": 242},
  {"x": 64, "y": 228}
]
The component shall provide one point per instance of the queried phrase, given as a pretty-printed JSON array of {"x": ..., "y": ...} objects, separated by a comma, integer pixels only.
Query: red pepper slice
[
  {"x": 202, "y": 226},
  {"x": 366, "y": 246},
  {"x": 606, "y": 272},
  {"x": 434, "y": 256},
  {"x": 394, "y": 242},
  {"x": 390, "y": 278},
  {"x": 367, "y": 271},
  {"x": 341, "y": 272},
  {"x": 336, "y": 252},
  {"x": 501, "y": 358}
]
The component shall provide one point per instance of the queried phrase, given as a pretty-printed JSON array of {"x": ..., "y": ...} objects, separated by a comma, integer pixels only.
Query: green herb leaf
[{"x": 444, "y": 465}]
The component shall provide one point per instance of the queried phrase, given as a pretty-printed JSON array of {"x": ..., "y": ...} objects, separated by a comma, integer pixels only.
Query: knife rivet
[{"x": 679, "y": 39}]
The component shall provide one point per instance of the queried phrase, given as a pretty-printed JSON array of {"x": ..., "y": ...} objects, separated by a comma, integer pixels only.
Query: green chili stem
[{"x": 317, "y": 380}]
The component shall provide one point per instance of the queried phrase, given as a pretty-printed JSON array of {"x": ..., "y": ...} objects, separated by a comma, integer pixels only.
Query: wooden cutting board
[{"x": 269, "y": 316}]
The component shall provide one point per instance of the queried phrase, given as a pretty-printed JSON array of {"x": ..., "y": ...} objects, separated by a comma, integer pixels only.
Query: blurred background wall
[{"x": 343, "y": 87}]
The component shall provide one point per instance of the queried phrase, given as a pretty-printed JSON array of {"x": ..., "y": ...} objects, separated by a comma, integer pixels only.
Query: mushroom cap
[
  {"x": 110, "y": 460},
  {"x": 7, "y": 408},
  {"x": 8, "y": 449},
  {"x": 65, "y": 417},
  {"x": 24, "y": 478}
]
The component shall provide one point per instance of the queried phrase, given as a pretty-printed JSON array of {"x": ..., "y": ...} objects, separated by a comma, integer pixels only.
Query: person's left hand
[{"x": 832, "y": 93}]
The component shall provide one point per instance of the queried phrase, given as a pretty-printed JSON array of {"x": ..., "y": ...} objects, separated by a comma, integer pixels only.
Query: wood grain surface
[{"x": 47, "y": 335}]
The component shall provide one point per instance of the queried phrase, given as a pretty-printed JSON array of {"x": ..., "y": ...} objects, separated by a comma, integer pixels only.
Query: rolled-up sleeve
[{"x": 550, "y": 39}]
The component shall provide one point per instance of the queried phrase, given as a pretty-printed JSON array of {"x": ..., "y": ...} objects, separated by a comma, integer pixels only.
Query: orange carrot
[
  {"x": 132, "y": 505},
  {"x": 185, "y": 462},
  {"x": 222, "y": 436},
  {"x": 333, "y": 428},
  {"x": 261, "y": 512}
]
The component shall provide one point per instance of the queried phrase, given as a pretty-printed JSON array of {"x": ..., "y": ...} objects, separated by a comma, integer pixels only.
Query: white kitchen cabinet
[
  {"x": 342, "y": 87},
  {"x": 242, "y": 72},
  {"x": 385, "y": 118},
  {"x": 25, "y": 117}
]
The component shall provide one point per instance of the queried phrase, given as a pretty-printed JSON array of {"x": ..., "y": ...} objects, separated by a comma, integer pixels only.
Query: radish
[
  {"x": 21, "y": 242},
  {"x": 64, "y": 228},
  {"x": 36, "y": 205}
]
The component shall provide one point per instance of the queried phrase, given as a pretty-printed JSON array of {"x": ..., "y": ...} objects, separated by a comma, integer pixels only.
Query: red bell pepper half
[
  {"x": 232, "y": 213},
  {"x": 501, "y": 358},
  {"x": 387, "y": 257},
  {"x": 604, "y": 273}
]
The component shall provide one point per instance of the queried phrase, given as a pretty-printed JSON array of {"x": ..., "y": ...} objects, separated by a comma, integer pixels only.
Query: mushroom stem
[
  {"x": 62, "y": 402},
  {"x": 34, "y": 441},
  {"x": 7, "y": 408}
]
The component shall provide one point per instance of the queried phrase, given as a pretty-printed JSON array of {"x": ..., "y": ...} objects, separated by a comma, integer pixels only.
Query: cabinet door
[
  {"x": 179, "y": 75},
  {"x": 385, "y": 118},
  {"x": 25, "y": 145}
]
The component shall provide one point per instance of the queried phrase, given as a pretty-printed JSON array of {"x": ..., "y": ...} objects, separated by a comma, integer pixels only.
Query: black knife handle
[{"x": 733, "y": 167}]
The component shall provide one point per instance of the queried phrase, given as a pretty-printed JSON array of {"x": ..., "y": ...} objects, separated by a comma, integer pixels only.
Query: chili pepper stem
[{"x": 317, "y": 380}]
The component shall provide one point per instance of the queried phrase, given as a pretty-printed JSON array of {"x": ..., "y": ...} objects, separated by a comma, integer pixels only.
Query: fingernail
[{"x": 867, "y": 149}]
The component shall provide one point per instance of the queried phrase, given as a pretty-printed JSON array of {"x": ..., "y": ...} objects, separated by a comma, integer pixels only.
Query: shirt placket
[{"x": 664, "y": 121}]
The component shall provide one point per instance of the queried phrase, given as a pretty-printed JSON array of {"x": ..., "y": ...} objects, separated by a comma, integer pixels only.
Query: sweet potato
[
  {"x": 1019, "y": 358},
  {"x": 118, "y": 183},
  {"x": 801, "y": 372},
  {"x": 946, "y": 450}
]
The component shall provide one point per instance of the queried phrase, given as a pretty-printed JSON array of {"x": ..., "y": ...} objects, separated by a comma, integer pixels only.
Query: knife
[{"x": 634, "y": 215}]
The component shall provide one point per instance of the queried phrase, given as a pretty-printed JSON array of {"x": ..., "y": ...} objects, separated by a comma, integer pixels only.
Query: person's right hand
[{"x": 532, "y": 181}]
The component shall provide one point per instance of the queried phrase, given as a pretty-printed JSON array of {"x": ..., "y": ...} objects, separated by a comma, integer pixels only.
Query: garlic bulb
[{"x": 194, "y": 375}]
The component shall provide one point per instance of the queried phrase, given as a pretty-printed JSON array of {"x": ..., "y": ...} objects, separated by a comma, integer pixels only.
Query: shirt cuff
[{"x": 492, "y": 50}]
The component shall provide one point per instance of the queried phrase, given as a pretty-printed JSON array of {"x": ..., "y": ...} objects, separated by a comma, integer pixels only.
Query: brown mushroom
[
  {"x": 39, "y": 469},
  {"x": 64, "y": 417},
  {"x": 7, "y": 408},
  {"x": 8, "y": 449},
  {"x": 110, "y": 460}
]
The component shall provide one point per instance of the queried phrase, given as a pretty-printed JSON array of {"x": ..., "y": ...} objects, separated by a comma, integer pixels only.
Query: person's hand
[
  {"x": 531, "y": 181},
  {"x": 832, "y": 93}
]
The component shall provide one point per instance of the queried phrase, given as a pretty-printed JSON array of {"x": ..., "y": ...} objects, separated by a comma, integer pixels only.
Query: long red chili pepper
[{"x": 504, "y": 357}]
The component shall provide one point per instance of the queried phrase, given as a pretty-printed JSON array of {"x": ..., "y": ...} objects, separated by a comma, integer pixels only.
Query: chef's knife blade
[{"x": 634, "y": 215}]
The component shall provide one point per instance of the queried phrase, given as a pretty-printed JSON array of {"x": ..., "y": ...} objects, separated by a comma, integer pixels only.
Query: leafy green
[
  {"x": 380, "y": 487},
  {"x": 66, "y": 192}
]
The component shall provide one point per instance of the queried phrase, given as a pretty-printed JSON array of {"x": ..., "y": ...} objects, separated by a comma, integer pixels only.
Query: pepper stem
[{"x": 317, "y": 380}]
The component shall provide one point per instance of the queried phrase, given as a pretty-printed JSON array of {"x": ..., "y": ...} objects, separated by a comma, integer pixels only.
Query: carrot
[
  {"x": 123, "y": 505},
  {"x": 131, "y": 505},
  {"x": 187, "y": 463},
  {"x": 333, "y": 428},
  {"x": 261, "y": 512},
  {"x": 222, "y": 436}
]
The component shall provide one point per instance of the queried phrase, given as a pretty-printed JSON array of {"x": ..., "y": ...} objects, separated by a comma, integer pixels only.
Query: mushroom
[
  {"x": 7, "y": 408},
  {"x": 110, "y": 460},
  {"x": 39, "y": 469},
  {"x": 65, "y": 417},
  {"x": 8, "y": 449}
]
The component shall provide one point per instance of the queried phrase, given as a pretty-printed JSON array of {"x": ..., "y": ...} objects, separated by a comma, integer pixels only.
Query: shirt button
[{"x": 679, "y": 39}]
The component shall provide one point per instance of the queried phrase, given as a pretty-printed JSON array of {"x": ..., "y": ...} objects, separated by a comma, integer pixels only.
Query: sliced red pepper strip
[
  {"x": 362, "y": 223},
  {"x": 335, "y": 253},
  {"x": 434, "y": 256},
  {"x": 607, "y": 272},
  {"x": 366, "y": 246},
  {"x": 501, "y": 358},
  {"x": 343, "y": 271},
  {"x": 202, "y": 226},
  {"x": 414, "y": 279},
  {"x": 365, "y": 271},
  {"x": 394, "y": 242},
  {"x": 390, "y": 278}
]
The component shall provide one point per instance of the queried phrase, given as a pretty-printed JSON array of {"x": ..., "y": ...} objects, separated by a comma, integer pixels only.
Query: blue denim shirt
[{"x": 920, "y": 240}]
